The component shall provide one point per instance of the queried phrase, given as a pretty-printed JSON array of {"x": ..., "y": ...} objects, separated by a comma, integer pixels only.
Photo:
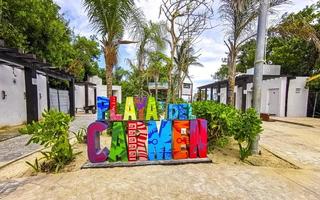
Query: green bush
[
  {"x": 80, "y": 135},
  {"x": 221, "y": 119},
  {"x": 248, "y": 127},
  {"x": 225, "y": 122},
  {"x": 51, "y": 132}
]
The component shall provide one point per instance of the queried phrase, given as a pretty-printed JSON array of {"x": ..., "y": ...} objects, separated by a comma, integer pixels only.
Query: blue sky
[{"x": 210, "y": 44}]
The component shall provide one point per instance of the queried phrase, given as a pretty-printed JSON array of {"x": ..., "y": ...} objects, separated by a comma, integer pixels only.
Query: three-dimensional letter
[
  {"x": 198, "y": 138},
  {"x": 102, "y": 106},
  {"x": 129, "y": 111},
  {"x": 159, "y": 142},
  {"x": 140, "y": 104},
  {"x": 113, "y": 109},
  {"x": 95, "y": 153},
  {"x": 180, "y": 139},
  {"x": 118, "y": 149},
  {"x": 151, "y": 109}
]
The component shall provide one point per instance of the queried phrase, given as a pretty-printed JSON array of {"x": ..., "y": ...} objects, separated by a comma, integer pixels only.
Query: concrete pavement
[{"x": 297, "y": 144}]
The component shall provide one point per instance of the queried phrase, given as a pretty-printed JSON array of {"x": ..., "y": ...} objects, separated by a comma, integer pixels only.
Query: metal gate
[{"x": 59, "y": 100}]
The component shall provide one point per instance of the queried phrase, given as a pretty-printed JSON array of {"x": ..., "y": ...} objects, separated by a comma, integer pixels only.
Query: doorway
[{"x": 273, "y": 102}]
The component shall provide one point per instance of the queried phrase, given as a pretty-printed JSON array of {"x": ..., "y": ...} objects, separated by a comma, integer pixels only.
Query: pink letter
[{"x": 95, "y": 153}]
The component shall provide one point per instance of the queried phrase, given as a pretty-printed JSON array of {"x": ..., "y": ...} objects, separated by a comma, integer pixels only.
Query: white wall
[
  {"x": 91, "y": 96},
  {"x": 13, "y": 109},
  {"x": 238, "y": 91},
  {"x": 223, "y": 95},
  {"x": 276, "y": 83},
  {"x": 79, "y": 94},
  {"x": 42, "y": 93},
  {"x": 297, "y": 98},
  {"x": 116, "y": 90}
]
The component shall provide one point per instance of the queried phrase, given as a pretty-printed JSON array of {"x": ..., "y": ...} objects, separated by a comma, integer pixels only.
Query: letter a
[
  {"x": 152, "y": 109},
  {"x": 129, "y": 111},
  {"x": 118, "y": 149}
]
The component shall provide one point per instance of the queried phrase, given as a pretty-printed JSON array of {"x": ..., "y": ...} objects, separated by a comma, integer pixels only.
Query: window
[{"x": 187, "y": 85}]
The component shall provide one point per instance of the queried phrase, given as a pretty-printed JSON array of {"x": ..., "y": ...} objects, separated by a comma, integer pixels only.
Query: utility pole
[{"x": 258, "y": 64}]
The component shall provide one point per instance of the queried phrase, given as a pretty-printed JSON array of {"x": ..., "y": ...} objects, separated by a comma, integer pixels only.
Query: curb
[
  {"x": 295, "y": 123},
  {"x": 295, "y": 164}
]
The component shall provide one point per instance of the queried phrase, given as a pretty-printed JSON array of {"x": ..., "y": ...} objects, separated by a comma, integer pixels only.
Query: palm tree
[
  {"x": 110, "y": 18},
  {"x": 185, "y": 57},
  {"x": 157, "y": 69},
  {"x": 239, "y": 16},
  {"x": 152, "y": 38}
]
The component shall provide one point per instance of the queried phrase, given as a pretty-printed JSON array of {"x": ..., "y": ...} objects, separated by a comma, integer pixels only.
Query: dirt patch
[{"x": 230, "y": 155}]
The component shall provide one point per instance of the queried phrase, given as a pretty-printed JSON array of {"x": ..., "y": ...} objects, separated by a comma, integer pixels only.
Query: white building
[
  {"x": 283, "y": 96},
  {"x": 24, "y": 88},
  {"x": 87, "y": 92}
]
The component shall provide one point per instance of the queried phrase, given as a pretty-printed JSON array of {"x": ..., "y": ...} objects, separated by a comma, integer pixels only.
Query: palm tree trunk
[
  {"x": 231, "y": 79},
  {"x": 108, "y": 54},
  {"x": 156, "y": 79}
]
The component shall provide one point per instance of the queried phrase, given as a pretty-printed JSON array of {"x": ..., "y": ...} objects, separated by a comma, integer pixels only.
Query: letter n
[{"x": 198, "y": 138}]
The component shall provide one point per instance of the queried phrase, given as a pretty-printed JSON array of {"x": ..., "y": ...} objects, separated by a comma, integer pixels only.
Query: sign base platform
[{"x": 108, "y": 164}]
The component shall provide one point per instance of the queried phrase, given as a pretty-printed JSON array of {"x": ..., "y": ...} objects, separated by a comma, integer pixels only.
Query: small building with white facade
[
  {"x": 283, "y": 96},
  {"x": 25, "y": 90},
  {"x": 86, "y": 93}
]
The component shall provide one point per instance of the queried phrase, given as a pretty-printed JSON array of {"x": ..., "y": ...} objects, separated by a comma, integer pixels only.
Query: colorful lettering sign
[{"x": 180, "y": 136}]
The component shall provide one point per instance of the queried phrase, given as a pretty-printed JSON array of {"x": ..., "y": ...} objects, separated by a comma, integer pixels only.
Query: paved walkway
[
  {"x": 295, "y": 143},
  {"x": 194, "y": 181},
  {"x": 315, "y": 122},
  {"x": 14, "y": 148}
]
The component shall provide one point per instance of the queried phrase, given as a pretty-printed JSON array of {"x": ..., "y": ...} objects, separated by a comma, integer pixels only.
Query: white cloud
[{"x": 210, "y": 45}]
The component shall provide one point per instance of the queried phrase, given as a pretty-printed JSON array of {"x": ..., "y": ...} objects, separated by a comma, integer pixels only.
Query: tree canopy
[{"x": 36, "y": 27}]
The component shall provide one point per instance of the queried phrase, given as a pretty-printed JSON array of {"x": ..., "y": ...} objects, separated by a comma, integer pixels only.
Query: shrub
[
  {"x": 225, "y": 121},
  {"x": 221, "y": 119},
  {"x": 51, "y": 132},
  {"x": 80, "y": 135},
  {"x": 248, "y": 127}
]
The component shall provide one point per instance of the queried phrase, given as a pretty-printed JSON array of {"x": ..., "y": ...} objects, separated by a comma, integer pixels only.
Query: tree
[
  {"x": 36, "y": 26},
  {"x": 240, "y": 16},
  {"x": 185, "y": 57},
  {"x": 85, "y": 55},
  {"x": 304, "y": 24},
  {"x": 222, "y": 73},
  {"x": 296, "y": 56},
  {"x": 110, "y": 18},
  {"x": 119, "y": 74},
  {"x": 185, "y": 20},
  {"x": 151, "y": 39},
  {"x": 157, "y": 68}
]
